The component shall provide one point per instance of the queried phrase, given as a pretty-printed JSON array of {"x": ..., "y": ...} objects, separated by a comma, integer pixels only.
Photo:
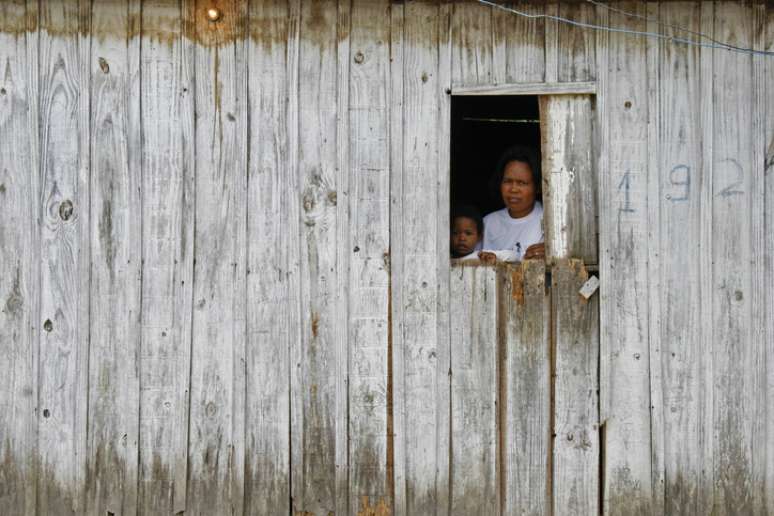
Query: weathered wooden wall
[{"x": 224, "y": 282}]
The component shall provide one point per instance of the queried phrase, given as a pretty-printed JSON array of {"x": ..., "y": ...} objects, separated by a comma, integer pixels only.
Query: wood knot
[
  {"x": 359, "y": 58},
  {"x": 65, "y": 210},
  {"x": 424, "y": 77},
  {"x": 2, "y": 91},
  {"x": 48, "y": 325},
  {"x": 103, "y": 65},
  {"x": 46, "y": 413}
]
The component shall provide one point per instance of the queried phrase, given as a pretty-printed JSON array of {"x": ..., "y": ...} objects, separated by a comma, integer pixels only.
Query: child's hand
[
  {"x": 487, "y": 258},
  {"x": 535, "y": 251}
]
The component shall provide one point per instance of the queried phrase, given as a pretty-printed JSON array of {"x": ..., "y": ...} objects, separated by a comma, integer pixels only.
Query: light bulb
[{"x": 214, "y": 14}]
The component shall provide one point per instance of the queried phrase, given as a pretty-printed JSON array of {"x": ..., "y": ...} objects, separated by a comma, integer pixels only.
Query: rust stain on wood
[
  {"x": 517, "y": 284},
  {"x": 380, "y": 509},
  {"x": 315, "y": 324}
]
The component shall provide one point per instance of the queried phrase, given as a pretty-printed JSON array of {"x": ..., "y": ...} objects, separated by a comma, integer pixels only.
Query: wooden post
[{"x": 569, "y": 178}]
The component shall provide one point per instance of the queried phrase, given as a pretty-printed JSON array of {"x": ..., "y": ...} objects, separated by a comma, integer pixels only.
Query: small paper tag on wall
[{"x": 588, "y": 288}]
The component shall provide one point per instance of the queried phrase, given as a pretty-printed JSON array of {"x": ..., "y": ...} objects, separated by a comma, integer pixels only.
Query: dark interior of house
[{"x": 482, "y": 128}]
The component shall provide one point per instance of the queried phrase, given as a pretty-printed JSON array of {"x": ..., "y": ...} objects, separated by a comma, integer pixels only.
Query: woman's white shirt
[{"x": 504, "y": 233}]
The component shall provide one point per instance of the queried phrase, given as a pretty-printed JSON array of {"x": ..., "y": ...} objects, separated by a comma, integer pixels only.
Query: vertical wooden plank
[
  {"x": 677, "y": 202},
  {"x": 167, "y": 256},
  {"x": 569, "y": 178},
  {"x": 314, "y": 393},
  {"x": 474, "y": 390},
  {"x": 552, "y": 41},
  {"x": 345, "y": 501},
  {"x": 577, "y": 50},
  {"x": 19, "y": 252},
  {"x": 518, "y": 53},
  {"x": 625, "y": 381},
  {"x": 525, "y": 383},
  {"x": 216, "y": 428},
  {"x": 655, "y": 344},
  {"x": 706, "y": 433},
  {"x": 759, "y": 373},
  {"x": 414, "y": 274},
  {"x": 64, "y": 257},
  {"x": 368, "y": 234},
  {"x": 767, "y": 69},
  {"x": 576, "y": 408},
  {"x": 267, "y": 459},
  {"x": 733, "y": 349},
  {"x": 442, "y": 252},
  {"x": 472, "y": 44},
  {"x": 396, "y": 322},
  {"x": 116, "y": 255}
]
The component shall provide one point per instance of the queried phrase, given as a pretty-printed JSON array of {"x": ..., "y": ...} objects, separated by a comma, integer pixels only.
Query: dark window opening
[{"x": 482, "y": 128}]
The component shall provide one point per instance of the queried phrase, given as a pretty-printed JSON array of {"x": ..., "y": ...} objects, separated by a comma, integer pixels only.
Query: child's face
[
  {"x": 464, "y": 236},
  {"x": 518, "y": 189}
]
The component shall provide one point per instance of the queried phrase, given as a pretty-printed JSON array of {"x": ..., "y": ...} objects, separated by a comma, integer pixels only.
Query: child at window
[
  {"x": 515, "y": 232},
  {"x": 466, "y": 233}
]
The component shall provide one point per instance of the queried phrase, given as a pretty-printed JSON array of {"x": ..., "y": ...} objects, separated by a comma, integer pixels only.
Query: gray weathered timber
[
  {"x": 706, "y": 478},
  {"x": 471, "y": 47},
  {"x": 396, "y": 376},
  {"x": 217, "y": 392},
  {"x": 518, "y": 53},
  {"x": 267, "y": 446},
  {"x": 569, "y": 178},
  {"x": 19, "y": 263},
  {"x": 208, "y": 138},
  {"x": 368, "y": 231},
  {"x": 576, "y": 46},
  {"x": 317, "y": 487},
  {"x": 116, "y": 244},
  {"x": 63, "y": 117},
  {"x": 678, "y": 204},
  {"x": 414, "y": 269},
  {"x": 473, "y": 303},
  {"x": 167, "y": 257},
  {"x": 655, "y": 353},
  {"x": 576, "y": 409},
  {"x": 734, "y": 353},
  {"x": 768, "y": 250},
  {"x": 624, "y": 379},
  {"x": 525, "y": 389}
]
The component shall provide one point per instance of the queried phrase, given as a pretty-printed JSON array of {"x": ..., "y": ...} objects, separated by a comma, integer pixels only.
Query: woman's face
[{"x": 518, "y": 189}]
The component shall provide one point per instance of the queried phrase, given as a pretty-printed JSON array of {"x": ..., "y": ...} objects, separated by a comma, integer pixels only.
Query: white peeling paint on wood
[
  {"x": 576, "y": 46},
  {"x": 525, "y": 390},
  {"x": 473, "y": 303},
  {"x": 19, "y": 261},
  {"x": 569, "y": 178},
  {"x": 167, "y": 261}
]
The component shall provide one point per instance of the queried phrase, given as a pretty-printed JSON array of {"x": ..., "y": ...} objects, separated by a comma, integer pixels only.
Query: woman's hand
[
  {"x": 535, "y": 251},
  {"x": 487, "y": 258}
]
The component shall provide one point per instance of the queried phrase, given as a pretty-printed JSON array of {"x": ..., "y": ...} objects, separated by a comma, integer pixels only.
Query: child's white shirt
[{"x": 509, "y": 238}]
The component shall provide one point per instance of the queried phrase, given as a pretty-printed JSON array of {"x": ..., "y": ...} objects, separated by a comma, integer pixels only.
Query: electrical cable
[{"x": 658, "y": 35}]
